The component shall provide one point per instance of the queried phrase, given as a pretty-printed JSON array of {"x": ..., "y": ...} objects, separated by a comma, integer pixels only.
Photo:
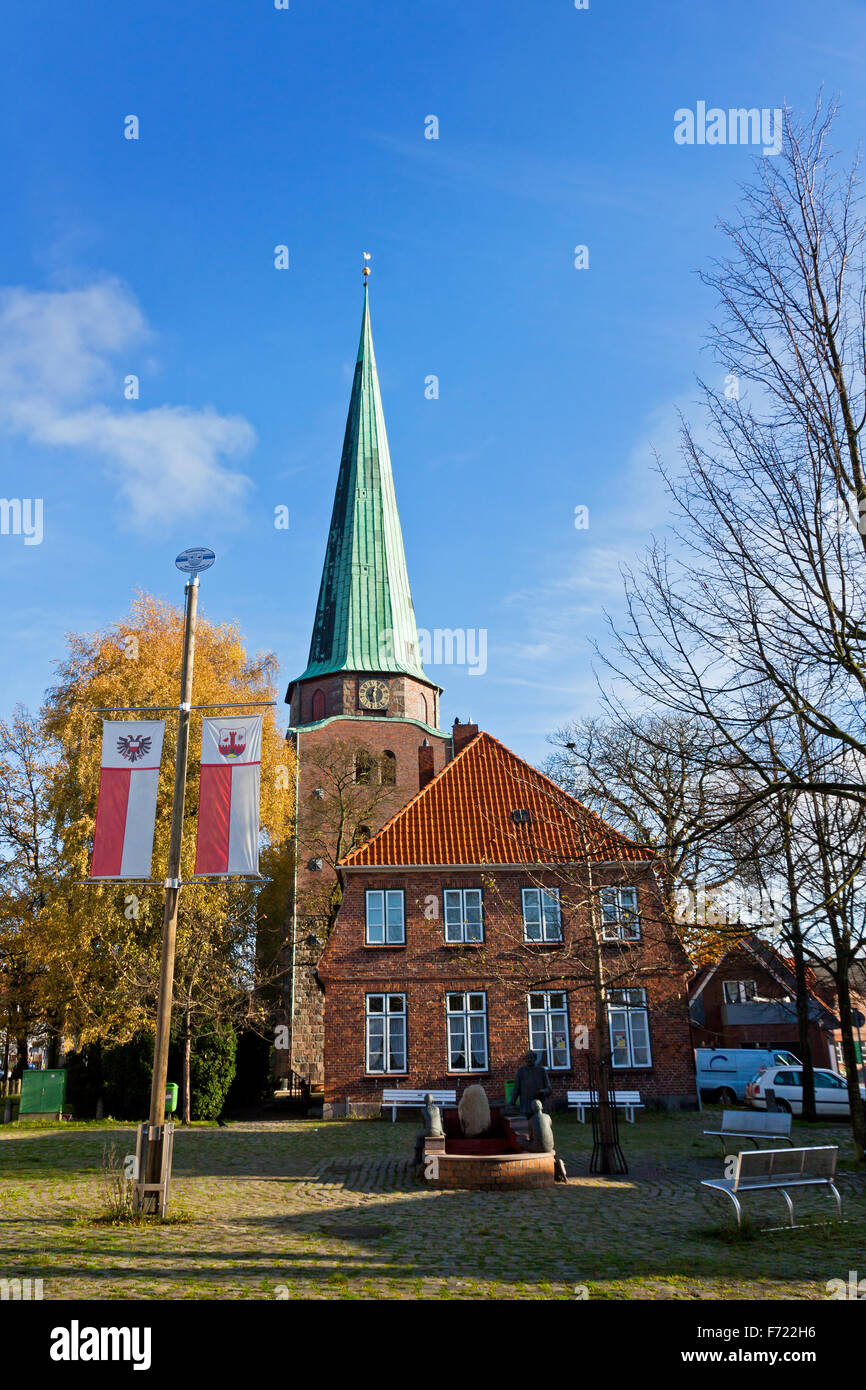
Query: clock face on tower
[{"x": 373, "y": 694}]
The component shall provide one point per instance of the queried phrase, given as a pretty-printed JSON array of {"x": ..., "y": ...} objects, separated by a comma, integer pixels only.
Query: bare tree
[
  {"x": 765, "y": 581},
  {"x": 650, "y": 776}
]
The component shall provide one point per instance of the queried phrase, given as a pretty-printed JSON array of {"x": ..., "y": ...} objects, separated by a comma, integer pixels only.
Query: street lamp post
[{"x": 153, "y": 1191}]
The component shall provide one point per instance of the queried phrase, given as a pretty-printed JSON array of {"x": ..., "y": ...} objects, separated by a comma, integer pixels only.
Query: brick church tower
[{"x": 364, "y": 715}]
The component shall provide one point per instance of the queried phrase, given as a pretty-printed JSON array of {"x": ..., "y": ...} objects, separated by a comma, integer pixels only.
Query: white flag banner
[
  {"x": 126, "y": 810},
  {"x": 227, "y": 841}
]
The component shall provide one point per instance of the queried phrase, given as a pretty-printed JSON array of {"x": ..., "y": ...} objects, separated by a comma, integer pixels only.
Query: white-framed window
[
  {"x": 542, "y": 918},
  {"x": 466, "y": 1018},
  {"x": 629, "y": 1028},
  {"x": 464, "y": 920},
  {"x": 739, "y": 991},
  {"x": 386, "y": 1033},
  {"x": 620, "y": 919},
  {"x": 386, "y": 917},
  {"x": 548, "y": 1028}
]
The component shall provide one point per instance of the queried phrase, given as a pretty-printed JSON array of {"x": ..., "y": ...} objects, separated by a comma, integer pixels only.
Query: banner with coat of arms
[
  {"x": 228, "y": 810},
  {"x": 126, "y": 809}
]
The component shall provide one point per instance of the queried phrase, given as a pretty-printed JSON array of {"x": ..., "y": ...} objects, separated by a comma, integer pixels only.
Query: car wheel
[
  {"x": 727, "y": 1096},
  {"x": 783, "y": 1106}
]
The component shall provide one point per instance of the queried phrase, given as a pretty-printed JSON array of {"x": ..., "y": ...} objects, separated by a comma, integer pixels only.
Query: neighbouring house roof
[
  {"x": 365, "y": 620},
  {"x": 780, "y": 967},
  {"x": 465, "y": 816}
]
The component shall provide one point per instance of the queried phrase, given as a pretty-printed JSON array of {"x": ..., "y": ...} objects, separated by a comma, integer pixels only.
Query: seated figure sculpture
[
  {"x": 433, "y": 1128},
  {"x": 541, "y": 1140}
]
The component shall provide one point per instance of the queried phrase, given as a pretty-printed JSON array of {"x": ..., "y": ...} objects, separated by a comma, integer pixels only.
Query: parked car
[
  {"x": 831, "y": 1090},
  {"x": 723, "y": 1072}
]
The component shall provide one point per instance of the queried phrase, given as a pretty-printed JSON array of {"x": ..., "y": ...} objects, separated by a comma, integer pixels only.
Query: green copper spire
[{"x": 364, "y": 618}]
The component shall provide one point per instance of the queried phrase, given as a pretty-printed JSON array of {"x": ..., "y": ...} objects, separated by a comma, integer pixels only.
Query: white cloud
[{"x": 60, "y": 356}]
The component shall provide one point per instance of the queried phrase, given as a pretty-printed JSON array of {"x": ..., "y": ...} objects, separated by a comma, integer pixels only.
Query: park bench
[
  {"x": 581, "y": 1101},
  {"x": 760, "y": 1170},
  {"x": 754, "y": 1125},
  {"x": 416, "y": 1099}
]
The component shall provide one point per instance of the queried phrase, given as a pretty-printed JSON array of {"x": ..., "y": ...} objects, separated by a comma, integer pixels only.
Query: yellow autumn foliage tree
[{"x": 99, "y": 945}]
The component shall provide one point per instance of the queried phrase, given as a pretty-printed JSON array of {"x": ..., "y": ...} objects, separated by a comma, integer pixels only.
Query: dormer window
[{"x": 740, "y": 991}]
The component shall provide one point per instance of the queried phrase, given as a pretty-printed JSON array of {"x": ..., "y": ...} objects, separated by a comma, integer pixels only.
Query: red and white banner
[
  {"x": 126, "y": 810},
  {"x": 228, "y": 803}
]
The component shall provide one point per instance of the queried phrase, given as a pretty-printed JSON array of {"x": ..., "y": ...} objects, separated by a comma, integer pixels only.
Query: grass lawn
[{"x": 307, "y": 1209}]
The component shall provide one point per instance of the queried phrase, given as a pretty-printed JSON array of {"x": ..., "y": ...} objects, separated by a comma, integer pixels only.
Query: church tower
[{"x": 364, "y": 715}]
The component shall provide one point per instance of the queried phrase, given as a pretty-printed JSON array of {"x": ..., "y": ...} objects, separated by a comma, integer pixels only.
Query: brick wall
[
  {"x": 401, "y": 737},
  {"x": 425, "y": 969}
]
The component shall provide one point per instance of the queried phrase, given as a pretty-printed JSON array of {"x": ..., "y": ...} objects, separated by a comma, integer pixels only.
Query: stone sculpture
[
  {"x": 533, "y": 1084},
  {"x": 474, "y": 1111}
]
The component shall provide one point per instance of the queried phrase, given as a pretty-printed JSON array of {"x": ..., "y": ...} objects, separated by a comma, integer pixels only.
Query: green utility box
[
  {"x": 171, "y": 1098},
  {"x": 43, "y": 1092},
  {"x": 510, "y": 1088}
]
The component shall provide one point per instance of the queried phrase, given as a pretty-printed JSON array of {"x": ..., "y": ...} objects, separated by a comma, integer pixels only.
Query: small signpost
[{"x": 195, "y": 559}]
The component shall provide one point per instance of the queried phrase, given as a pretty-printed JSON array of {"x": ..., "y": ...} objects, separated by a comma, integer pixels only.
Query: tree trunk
[
  {"x": 803, "y": 1024},
  {"x": 849, "y": 1052},
  {"x": 52, "y": 1048},
  {"x": 186, "y": 1108},
  {"x": 606, "y": 1131},
  {"x": 795, "y": 941},
  {"x": 21, "y": 1057}
]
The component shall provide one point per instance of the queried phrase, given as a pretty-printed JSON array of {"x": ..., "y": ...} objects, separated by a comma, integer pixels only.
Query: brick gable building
[{"x": 470, "y": 929}]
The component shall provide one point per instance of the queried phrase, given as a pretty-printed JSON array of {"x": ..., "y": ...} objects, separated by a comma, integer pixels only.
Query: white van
[{"x": 723, "y": 1072}]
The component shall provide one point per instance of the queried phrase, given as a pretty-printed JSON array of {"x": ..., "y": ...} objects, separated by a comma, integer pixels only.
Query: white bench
[
  {"x": 416, "y": 1099},
  {"x": 779, "y": 1169},
  {"x": 581, "y": 1101},
  {"x": 754, "y": 1125}
]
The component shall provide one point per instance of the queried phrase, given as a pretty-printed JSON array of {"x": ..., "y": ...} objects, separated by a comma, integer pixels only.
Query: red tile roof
[{"x": 464, "y": 816}]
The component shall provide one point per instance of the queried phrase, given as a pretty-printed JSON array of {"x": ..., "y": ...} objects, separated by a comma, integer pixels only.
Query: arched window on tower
[
  {"x": 318, "y": 705},
  {"x": 364, "y": 766},
  {"x": 389, "y": 768}
]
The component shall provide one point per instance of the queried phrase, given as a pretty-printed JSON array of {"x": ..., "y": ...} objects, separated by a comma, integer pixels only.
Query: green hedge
[
  {"x": 122, "y": 1073},
  {"x": 211, "y": 1072}
]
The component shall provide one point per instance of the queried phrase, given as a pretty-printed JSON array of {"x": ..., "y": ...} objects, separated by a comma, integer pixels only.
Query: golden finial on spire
[{"x": 366, "y": 270}]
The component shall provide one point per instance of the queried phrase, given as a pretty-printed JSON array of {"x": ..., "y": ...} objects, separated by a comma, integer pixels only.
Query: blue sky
[{"x": 306, "y": 127}]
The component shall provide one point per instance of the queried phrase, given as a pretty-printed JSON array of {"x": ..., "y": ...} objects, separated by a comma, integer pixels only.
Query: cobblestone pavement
[{"x": 299, "y": 1209}]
